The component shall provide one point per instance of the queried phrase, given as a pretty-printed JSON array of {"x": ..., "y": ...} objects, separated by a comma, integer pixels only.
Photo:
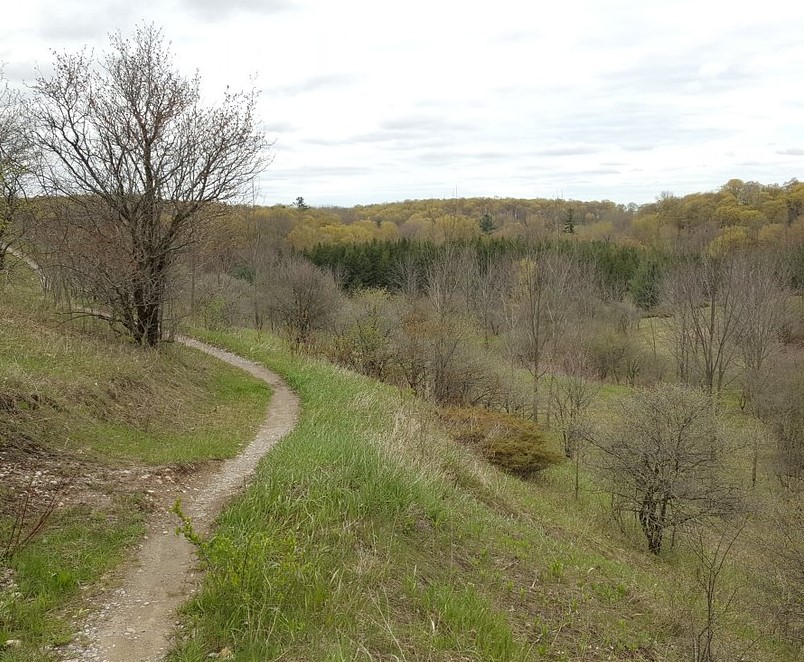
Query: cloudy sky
[{"x": 371, "y": 101}]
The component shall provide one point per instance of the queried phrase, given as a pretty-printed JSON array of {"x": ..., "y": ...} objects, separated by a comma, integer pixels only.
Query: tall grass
[{"x": 367, "y": 535}]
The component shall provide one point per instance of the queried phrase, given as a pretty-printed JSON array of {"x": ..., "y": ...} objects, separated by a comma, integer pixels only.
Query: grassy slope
[
  {"x": 369, "y": 536},
  {"x": 78, "y": 399}
]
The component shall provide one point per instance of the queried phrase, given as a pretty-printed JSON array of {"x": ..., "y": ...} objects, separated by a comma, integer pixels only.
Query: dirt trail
[{"x": 136, "y": 618}]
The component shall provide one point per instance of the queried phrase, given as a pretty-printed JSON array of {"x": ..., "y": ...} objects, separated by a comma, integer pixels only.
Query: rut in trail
[{"x": 135, "y": 620}]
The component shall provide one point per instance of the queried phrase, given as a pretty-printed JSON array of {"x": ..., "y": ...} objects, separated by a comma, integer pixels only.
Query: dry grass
[{"x": 94, "y": 429}]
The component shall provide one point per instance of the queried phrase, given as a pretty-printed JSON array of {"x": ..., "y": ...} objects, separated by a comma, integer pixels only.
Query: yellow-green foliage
[{"x": 512, "y": 443}]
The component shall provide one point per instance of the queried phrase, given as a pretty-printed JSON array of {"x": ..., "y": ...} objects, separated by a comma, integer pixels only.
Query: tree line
[
  {"x": 373, "y": 264},
  {"x": 737, "y": 213}
]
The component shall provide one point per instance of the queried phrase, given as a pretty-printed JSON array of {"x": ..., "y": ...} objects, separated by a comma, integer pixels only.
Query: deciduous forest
[{"x": 531, "y": 429}]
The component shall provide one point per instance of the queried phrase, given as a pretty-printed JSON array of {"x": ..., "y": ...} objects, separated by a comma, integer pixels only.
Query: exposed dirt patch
[{"x": 38, "y": 475}]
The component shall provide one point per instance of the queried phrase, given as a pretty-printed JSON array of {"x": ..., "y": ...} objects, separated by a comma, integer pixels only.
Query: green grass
[
  {"x": 367, "y": 535},
  {"x": 209, "y": 416},
  {"x": 78, "y": 546},
  {"x": 99, "y": 395},
  {"x": 75, "y": 398}
]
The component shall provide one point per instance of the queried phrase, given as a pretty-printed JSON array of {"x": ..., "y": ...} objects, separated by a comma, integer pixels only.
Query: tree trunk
[{"x": 652, "y": 525}]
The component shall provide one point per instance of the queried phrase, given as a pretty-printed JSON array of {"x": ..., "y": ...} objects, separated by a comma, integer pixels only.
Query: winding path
[{"x": 136, "y": 618}]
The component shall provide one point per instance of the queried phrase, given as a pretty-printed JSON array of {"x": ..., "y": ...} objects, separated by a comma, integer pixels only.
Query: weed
[
  {"x": 507, "y": 441},
  {"x": 23, "y": 531}
]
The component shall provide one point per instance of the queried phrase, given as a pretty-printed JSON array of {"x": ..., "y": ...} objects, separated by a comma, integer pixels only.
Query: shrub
[
  {"x": 363, "y": 340},
  {"x": 514, "y": 444}
]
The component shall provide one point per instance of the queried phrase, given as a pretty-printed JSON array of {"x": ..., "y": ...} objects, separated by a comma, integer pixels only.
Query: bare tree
[
  {"x": 782, "y": 408},
  {"x": 407, "y": 276},
  {"x": 571, "y": 394},
  {"x": 450, "y": 280},
  {"x": 141, "y": 163},
  {"x": 434, "y": 353},
  {"x": 664, "y": 461},
  {"x": 492, "y": 282},
  {"x": 449, "y": 283},
  {"x": 541, "y": 298},
  {"x": 17, "y": 162},
  {"x": 786, "y": 552},
  {"x": 300, "y": 297},
  {"x": 707, "y": 312},
  {"x": 412, "y": 345},
  {"x": 764, "y": 313},
  {"x": 711, "y": 549},
  {"x": 613, "y": 344},
  {"x": 364, "y": 339}
]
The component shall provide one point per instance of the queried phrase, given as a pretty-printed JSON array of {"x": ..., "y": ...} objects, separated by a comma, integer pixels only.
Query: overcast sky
[{"x": 372, "y": 101}]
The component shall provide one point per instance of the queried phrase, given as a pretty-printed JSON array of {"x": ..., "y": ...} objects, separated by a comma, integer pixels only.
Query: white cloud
[
  {"x": 375, "y": 101},
  {"x": 215, "y": 9}
]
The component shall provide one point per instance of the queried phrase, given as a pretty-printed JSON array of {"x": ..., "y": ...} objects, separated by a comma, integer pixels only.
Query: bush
[
  {"x": 514, "y": 444},
  {"x": 363, "y": 340},
  {"x": 299, "y": 297},
  {"x": 217, "y": 301}
]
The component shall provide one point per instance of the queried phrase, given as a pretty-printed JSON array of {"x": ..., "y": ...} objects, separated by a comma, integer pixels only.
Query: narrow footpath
[{"x": 135, "y": 620}]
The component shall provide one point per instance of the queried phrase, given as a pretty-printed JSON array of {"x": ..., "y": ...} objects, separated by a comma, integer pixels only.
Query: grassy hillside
[
  {"x": 370, "y": 536},
  {"x": 96, "y": 429}
]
